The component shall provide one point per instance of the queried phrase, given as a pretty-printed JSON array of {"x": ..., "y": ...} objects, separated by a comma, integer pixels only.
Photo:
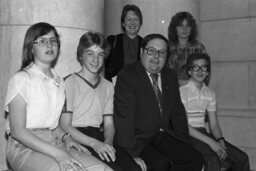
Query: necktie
[{"x": 157, "y": 90}]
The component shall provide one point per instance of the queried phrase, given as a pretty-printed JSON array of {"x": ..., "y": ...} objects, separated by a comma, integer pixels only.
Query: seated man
[{"x": 150, "y": 118}]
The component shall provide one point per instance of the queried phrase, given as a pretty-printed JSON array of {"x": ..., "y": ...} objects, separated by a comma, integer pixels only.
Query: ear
[
  {"x": 189, "y": 72},
  {"x": 141, "y": 52}
]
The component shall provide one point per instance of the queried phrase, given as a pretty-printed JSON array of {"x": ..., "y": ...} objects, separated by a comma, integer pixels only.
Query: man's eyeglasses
[
  {"x": 152, "y": 52},
  {"x": 43, "y": 42},
  {"x": 196, "y": 68}
]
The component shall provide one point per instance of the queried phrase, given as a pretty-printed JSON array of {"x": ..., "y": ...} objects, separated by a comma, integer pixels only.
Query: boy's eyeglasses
[
  {"x": 43, "y": 42},
  {"x": 152, "y": 52},
  {"x": 196, "y": 68}
]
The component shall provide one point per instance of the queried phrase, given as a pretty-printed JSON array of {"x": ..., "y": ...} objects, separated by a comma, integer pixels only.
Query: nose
[
  {"x": 95, "y": 58},
  {"x": 156, "y": 55},
  {"x": 184, "y": 28},
  {"x": 49, "y": 43}
]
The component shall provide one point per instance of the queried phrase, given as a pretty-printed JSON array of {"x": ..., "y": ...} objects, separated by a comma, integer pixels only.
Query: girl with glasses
[{"x": 34, "y": 102}]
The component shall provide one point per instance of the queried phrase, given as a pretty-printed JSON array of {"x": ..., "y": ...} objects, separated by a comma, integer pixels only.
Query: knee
[
  {"x": 53, "y": 167},
  {"x": 163, "y": 165},
  {"x": 197, "y": 159}
]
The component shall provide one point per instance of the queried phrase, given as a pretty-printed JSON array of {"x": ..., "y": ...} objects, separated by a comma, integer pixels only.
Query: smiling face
[
  {"x": 199, "y": 71},
  {"x": 183, "y": 30},
  {"x": 44, "y": 49},
  {"x": 93, "y": 59},
  {"x": 131, "y": 23},
  {"x": 154, "y": 63}
]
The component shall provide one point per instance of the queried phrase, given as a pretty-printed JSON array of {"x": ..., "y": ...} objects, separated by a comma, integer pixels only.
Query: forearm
[
  {"x": 79, "y": 136},
  {"x": 200, "y": 136},
  {"x": 216, "y": 131},
  {"x": 109, "y": 133}
]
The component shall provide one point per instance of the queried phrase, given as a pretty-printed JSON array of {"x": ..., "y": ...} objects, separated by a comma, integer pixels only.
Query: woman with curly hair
[{"x": 182, "y": 34}]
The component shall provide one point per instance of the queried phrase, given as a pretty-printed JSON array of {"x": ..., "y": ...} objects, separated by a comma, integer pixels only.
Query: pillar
[{"x": 71, "y": 18}]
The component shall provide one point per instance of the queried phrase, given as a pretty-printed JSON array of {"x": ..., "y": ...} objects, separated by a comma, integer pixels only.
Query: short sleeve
[
  {"x": 108, "y": 109},
  {"x": 69, "y": 91},
  {"x": 212, "y": 104},
  {"x": 18, "y": 84}
]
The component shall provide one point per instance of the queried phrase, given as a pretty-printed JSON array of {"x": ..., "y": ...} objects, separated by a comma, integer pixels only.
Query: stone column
[
  {"x": 156, "y": 14},
  {"x": 71, "y": 18}
]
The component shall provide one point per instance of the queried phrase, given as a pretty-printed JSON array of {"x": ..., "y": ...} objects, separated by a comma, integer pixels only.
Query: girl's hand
[
  {"x": 68, "y": 163},
  {"x": 69, "y": 143},
  {"x": 104, "y": 150}
]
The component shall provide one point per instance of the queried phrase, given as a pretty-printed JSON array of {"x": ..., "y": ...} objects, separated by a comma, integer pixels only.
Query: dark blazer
[
  {"x": 136, "y": 113},
  {"x": 115, "y": 61}
]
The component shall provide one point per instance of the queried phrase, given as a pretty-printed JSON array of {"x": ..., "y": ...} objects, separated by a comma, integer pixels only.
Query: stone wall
[{"x": 228, "y": 32}]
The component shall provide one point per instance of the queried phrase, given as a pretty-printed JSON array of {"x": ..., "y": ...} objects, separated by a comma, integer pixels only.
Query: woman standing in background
[
  {"x": 125, "y": 46},
  {"x": 182, "y": 34}
]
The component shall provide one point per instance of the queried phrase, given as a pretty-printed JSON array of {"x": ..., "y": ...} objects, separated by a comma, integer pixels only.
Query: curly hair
[{"x": 177, "y": 20}]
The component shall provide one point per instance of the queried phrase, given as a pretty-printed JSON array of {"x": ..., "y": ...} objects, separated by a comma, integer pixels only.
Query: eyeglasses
[
  {"x": 43, "y": 42},
  {"x": 196, "y": 68},
  {"x": 152, "y": 52}
]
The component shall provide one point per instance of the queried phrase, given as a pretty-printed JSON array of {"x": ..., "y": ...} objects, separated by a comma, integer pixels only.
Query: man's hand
[{"x": 141, "y": 163}]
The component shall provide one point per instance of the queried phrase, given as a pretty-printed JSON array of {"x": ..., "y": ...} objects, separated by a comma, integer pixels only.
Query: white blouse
[{"x": 44, "y": 97}]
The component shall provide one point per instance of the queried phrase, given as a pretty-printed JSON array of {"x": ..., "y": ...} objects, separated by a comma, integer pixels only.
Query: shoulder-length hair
[
  {"x": 128, "y": 8},
  {"x": 35, "y": 31},
  {"x": 177, "y": 20}
]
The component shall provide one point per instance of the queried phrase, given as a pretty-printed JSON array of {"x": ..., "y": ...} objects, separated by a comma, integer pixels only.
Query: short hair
[
  {"x": 35, "y": 31},
  {"x": 152, "y": 36},
  {"x": 89, "y": 39},
  {"x": 126, "y": 9},
  {"x": 198, "y": 56},
  {"x": 177, "y": 20}
]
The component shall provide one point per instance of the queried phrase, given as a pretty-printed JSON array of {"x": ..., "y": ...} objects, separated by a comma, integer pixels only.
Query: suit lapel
[
  {"x": 147, "y": 85},
  {"x": 166, "y": 94}
]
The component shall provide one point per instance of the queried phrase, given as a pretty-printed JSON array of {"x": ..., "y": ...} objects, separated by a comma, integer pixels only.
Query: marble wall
[
  {"x": 228, "y": 32},
  {"x": 71, "y": 19}
]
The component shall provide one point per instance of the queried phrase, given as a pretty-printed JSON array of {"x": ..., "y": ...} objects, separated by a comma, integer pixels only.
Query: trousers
[{"x": 22, "y": 158}]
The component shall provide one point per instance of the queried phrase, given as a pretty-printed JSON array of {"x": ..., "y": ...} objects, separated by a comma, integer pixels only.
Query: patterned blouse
[{"x": 179, "y": 55}]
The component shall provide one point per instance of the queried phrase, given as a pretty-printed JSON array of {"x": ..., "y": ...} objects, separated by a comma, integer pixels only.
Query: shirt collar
[
  {"x": 194, "y": 87},
  {"x": 56, "y": 79}
]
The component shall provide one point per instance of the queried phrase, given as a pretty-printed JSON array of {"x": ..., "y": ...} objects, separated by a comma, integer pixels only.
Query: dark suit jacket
[
  {"x": 136, "y": 113},
  {"x": 115, "y": 61}
]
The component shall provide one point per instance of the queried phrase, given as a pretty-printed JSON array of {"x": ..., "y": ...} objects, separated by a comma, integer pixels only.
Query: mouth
[{"x": 49, "y": 52}]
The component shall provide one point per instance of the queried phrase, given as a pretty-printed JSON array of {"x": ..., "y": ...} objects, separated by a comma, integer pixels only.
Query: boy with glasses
[{"x": 200, "y": 100}]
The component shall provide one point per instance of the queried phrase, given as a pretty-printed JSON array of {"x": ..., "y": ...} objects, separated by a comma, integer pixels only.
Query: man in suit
[{"x": 149, "y": 117}]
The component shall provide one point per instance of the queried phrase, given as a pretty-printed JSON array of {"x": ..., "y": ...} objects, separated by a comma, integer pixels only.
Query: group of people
[{"x": 152, "y": 118}]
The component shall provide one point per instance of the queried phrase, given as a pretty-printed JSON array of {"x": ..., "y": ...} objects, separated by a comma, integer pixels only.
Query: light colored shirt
[
  {"x": 44, "y": 97},
  {"x": 88, "y": 103},
  {"x": 197, "y": 102}
]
